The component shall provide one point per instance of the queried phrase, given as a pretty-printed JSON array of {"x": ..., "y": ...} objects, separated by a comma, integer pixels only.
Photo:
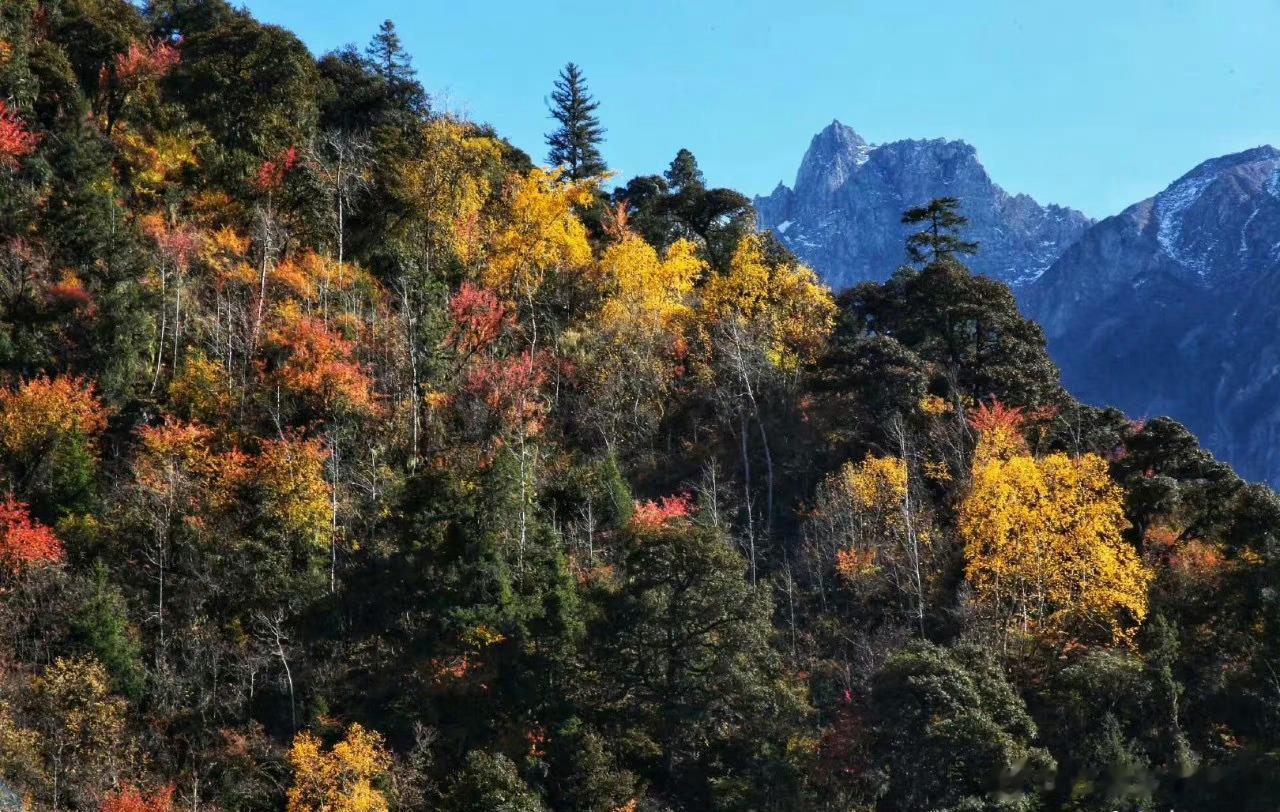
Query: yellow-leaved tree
[
  {"x": 781, "y": 304},
  {"x": 538, "y": 236},
  {"x": 1044, "y": 549},
  {"x": 448, "y": 186},
  {"x": 342, "y": 779},
  {"x": 759, "y": 324},
  {"x": 636, "y": 349},
  {"x": 867, "y": 526}
]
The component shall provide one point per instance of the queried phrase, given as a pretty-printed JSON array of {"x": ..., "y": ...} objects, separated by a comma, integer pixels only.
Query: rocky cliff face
[
  {"x": 1173, "y": 307},
  {"x": 843, "y": 214}
]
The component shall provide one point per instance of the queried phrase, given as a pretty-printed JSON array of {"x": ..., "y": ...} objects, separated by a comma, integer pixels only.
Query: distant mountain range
[
  {"x": 1171, "y": 307},
  {"x": 843, "y": 214}
]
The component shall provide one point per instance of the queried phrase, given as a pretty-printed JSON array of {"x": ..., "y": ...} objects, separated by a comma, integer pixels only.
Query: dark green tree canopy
[
  {"x": 575, "y": 144},
  {"x": 939, "y": 240}
]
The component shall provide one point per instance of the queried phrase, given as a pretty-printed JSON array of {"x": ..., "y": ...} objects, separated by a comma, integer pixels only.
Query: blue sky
[{"x": 1084, "y": 103}]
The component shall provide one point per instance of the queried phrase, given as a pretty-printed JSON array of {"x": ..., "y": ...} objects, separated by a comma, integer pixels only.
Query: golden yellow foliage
[
  {"x": 865, "y": 523},
  {"x": 156, "y": 159},
  {"x": 540, "y": 233},
  {"x": 341, "y": 780},
  {"x": 202, "y": 389},
  {"x": 1044, "y": 550},
  {"x": 645, "y": 290},
  {"x": 878, "y": 483},
  {"x": 19, "y": 750},
  {"x": 88, "y": 720},
  {"x": 783, "y": 305},
  {"x": 291, "y": 472},
  {"x": 935, "y": 406},
  {"x": 449, "y": 185}
]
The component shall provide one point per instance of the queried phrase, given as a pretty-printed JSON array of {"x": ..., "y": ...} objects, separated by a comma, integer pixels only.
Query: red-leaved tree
[
  {"x": 25, "y": 543},
  {"x": 131, "y": 799},
  {"x": 16, "y": 141}
]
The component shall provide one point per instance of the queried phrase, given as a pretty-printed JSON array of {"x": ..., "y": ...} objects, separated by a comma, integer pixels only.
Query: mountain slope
[
  {"x": 1171, "y": 306},
  {"x": 842, "y": 216}
]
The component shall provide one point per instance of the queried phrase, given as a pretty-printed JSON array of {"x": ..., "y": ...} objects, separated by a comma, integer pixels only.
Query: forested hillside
[{"x": 349, "y": 460}]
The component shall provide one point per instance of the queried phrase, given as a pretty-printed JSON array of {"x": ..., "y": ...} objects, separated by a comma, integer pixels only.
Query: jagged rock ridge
[
  {"x": 843, "y": 214},
  {"x": 1172, "y": 306}
]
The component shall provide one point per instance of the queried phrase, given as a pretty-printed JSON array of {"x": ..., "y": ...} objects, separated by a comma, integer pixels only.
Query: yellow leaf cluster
[
  {"x": 784, "y": 305},
  {"x": 863, "y": 509},
  {"x": 877, "y": 483},
  {"x": 201, "y": 389},
  {"x": 1044, "y": 550},
  {"x": 645, "y": 290},
  {"x": 935, "y": 406},
  {"x": 449, "y": 184},
  {"x": 291, "y": 472},
  {"x": 156, "y": 159},
  {"x": 540, "y": 233},
  {"x": 77, "y": 691},
  {"x": 342, "y": 779}
]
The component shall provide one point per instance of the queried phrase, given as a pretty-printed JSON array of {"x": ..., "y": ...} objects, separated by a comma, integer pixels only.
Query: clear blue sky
[{"x": 1088, "y": 103}]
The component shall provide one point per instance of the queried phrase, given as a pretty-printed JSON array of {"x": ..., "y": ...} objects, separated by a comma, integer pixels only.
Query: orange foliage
[
  {"x": 445, "y": 670},
  {"x": 586, "y": 574},
  {"x": 16, "y": 141},
  {"x": 855, "y": 562},
  {"x": 308, "y": 274},
  {"x": 44, "y": 409},
  {"x": 176, "y": 452},
  {"x": 319, "y": 366},
  {"x": 650, "y": 516},
  {"x": 1187, "y": 559},
  {"x": 537, "y": 738},
  {"x": 25, "y": 542},
  {"x": 68, "y": 292},
  {"x": 131, "y": 799}
]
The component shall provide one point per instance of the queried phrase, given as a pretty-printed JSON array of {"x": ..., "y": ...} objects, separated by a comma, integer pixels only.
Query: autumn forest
[{"x": 352, "y": 459}]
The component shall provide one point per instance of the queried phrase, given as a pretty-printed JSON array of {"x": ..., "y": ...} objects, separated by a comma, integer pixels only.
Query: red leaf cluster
[
  {"x": 478, "y": 317},
  {"x": 145, "y": 61},
  {"x": 652, "y": 516},
  {"x": 509, "y": 387},
  {"x": 178, "y": 243},
  {"x": 131, "y": 799},
  {"x": 16, "y": 141},
  {"x": 995, "y": 416},
  {"x": 272, "y": 173},
  {"x": 24, "y": 542},
  {"x": 68, "y": 292}
]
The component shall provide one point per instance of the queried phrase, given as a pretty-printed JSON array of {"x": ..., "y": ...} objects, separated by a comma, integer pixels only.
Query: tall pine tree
[
  {"x": 575, "y": 144},
  {"x": 389, "y": 60},
  {"x": 938, "y": 241}
]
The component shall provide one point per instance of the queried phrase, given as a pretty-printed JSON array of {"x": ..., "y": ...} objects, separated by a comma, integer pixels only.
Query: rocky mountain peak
[
  {"x": 1170, "y": 308},
  {"x": 843, "y": 216},
  {"x": 833, "y": 155}
]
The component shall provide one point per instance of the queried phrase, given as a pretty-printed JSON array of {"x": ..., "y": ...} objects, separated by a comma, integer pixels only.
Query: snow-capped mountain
[
  {"x": 1173, "y": 307},
  {"x": 843, "y": 214}
]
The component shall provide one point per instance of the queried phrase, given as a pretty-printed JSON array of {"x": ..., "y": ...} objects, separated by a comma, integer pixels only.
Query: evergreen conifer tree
[
  {"x": 575, "y": 144},
  {"x": 389, "y": 60},
  {"x": 938, "y": 242}
]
